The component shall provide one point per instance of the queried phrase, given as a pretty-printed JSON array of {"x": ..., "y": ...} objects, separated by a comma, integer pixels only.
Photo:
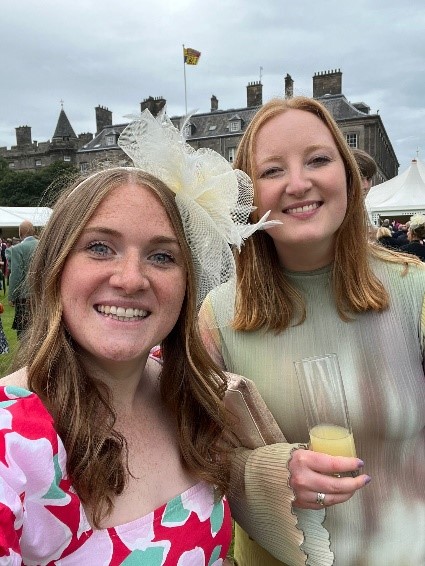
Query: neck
[
  {"x": 305, "y": 257},
  {"x": 125, "y": 380}
]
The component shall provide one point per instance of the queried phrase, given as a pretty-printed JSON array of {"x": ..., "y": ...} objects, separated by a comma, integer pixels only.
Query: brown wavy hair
[
  {"x": 265, "y": 299},
  {"x": 191, "y": 386}
]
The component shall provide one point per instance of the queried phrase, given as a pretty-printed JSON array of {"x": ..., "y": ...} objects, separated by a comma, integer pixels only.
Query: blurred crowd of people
[
  {"x": 408, "y": 238},
  {"x": 16, "y": 251}
]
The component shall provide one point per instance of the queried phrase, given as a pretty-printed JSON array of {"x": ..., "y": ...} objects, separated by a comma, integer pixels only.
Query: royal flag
[{"x": 191, "y": 56}]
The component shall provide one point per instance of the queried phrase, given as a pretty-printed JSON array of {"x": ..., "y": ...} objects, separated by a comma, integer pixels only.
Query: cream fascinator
[
  {"x": 213, "y": 199},
  {"x": 417, "y": 221}
]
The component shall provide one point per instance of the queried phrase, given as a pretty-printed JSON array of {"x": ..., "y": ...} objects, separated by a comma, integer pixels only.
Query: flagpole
[{"x": 185, "y": 90}]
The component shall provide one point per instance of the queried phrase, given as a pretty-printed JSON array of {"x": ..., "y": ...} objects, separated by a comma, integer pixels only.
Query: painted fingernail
[
  {"x": 360, "y": 464},
  {"x": 367, "y": 480}
]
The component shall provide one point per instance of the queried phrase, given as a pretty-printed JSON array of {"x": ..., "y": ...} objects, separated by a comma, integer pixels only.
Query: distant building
[
  {"x": 361, "y": 128},
  {"x": 29, "y": 155},
  {"x": 217, "y": 129}
]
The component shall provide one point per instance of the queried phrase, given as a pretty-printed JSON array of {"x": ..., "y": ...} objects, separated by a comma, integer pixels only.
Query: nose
[
  {"x": 298, "y": 182},
  {"x": 130, "y": 275}
]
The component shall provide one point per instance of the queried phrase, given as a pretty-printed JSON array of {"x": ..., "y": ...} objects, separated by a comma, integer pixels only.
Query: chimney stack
[
  {"x": 289, "y": 86},
  {"x": 154, "y": 105},
  {"x": 214, "y": 103},
  {"x": 254, "y": 94},
  {"x": 23, "y": 135},
  {"x": 327, "y": 82},
  {"x": 103, "y": 118}
]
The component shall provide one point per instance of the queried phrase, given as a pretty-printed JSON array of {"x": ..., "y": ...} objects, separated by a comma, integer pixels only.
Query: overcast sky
[{"x": 117, "y": 53}]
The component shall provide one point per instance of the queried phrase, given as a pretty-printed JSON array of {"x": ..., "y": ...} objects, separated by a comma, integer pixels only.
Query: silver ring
[{"x": 320, "y": 499}]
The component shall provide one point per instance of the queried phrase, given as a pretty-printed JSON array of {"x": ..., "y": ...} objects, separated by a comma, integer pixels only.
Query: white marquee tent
[
  {"x": 12, "y": 216},
  {"x": 403, "y": 195}
]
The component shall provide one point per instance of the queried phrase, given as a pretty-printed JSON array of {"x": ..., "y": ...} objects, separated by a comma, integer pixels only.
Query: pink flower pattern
[{"x": 42, "y": 520}]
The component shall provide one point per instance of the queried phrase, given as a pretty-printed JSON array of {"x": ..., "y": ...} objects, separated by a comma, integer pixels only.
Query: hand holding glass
[{"x": 325, "y": 405}]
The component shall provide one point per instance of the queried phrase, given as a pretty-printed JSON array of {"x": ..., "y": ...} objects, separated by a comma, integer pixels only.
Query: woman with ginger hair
[{"x": 315, "y": 285}]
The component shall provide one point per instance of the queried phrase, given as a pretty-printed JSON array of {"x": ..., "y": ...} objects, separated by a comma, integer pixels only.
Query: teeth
[
  {"x": 306, "y": 208},
  {"x": 120, "y": 313}
]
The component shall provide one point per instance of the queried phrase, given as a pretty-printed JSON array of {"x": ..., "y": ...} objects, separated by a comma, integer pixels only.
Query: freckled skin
[{"x": 119, "y": 260}]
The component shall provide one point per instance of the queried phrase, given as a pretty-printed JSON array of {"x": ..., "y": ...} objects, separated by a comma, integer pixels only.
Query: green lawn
[{"x": 7, "y": 319}]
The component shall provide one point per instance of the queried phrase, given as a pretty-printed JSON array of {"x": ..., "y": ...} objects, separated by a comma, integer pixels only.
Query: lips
[
  {"x": 121, "y": 313},
  {"x": 302, "y": 208}
]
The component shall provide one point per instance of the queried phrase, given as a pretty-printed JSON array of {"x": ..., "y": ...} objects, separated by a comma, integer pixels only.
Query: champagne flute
[{"x": 325, "y": 406}]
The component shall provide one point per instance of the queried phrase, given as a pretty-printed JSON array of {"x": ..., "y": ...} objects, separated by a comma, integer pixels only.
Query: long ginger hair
[
  {"x": 191, "y": 386},
  {"x": 265, "y": 298}
]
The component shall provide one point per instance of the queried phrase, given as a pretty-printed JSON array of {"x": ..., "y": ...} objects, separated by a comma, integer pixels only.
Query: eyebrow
[
  {"x": 319, "y": 146},
  {"x": 160, "y": 239},
  {"x": 308, "y": 149}
]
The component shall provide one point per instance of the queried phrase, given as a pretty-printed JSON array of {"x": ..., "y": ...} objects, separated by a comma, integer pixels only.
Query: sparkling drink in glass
[{"x": 325, "y": 405}]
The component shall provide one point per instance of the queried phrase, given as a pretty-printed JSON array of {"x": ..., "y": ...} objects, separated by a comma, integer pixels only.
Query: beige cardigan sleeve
[
  {"x": 261, "y": 500},
  {"x": 260, "y": 496}
]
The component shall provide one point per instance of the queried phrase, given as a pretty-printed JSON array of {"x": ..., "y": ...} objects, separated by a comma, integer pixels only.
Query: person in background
[
  {"x": 416, "y": 236},
  {"x": 3, "y": 264},
  {"x": 112, "y": 457},
  {"x": 401, "y": 234},
  {"x": 7, "y": 253},
  {"x": 367, "y": 167},
  {"x": 20, "y": 258},
  {"x": 311, "y": 286},
  {"x": 384, "y": 238},
  {"x": 4, "y": 344}
]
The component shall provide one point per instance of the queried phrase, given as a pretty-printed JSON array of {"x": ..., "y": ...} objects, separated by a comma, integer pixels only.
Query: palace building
[{"x": 217, "y": 129}]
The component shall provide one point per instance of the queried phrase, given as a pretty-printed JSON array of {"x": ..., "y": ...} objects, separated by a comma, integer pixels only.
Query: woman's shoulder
[
  {"x": 17, "y": 378},
  {"x": 218, "y": 305},
  {"x": 400, "y": 272},
  {"x": 23, "y": 414}
]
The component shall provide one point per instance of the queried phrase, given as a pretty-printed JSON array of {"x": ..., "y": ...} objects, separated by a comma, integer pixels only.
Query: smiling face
[
  {"x": 300, "y": 177},
  {"x": 124, "y": 282}
]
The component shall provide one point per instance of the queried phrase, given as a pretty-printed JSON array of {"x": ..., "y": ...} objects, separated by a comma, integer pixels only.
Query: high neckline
[{"x": 319, "y": 271}]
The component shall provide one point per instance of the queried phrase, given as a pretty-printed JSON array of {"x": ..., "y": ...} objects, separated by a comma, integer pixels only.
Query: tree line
[{"x": 33, "y": 188}]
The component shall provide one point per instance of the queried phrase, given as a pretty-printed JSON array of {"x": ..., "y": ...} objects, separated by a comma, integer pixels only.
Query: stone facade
[
  {"x": 361, "y": 128},
  {"x": 217, "y": 129},
  {"x": 327, "y": 82},
  {"x": 29, "y": 155}
]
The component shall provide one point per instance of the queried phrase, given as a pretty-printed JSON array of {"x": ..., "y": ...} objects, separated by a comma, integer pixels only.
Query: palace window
[
  {"x": 235, "y": 126},
  {"x": 231, "y": 154},
  {"x": 67, "y": 158},
  {"x": 38, "y": 162},
  {"x": 351, "y": 140},
  {"x": 110, "y": 140},
  {"x": 84, "y": 167}
]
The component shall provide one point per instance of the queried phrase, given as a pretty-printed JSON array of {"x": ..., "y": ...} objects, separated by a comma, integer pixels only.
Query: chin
[{"x": 123, "y": 355}]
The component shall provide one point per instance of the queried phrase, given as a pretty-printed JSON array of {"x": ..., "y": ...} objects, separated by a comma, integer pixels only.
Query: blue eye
[
  {"x": 99, "y": 248},
  {"x": 320, "y": 160},
  {"x": 162, "y": 258},
  {"x": 272, "y": 172}
]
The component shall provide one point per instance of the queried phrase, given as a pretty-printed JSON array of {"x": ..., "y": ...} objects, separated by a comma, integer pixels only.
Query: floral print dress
[{"x": 42, "y": 520}]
